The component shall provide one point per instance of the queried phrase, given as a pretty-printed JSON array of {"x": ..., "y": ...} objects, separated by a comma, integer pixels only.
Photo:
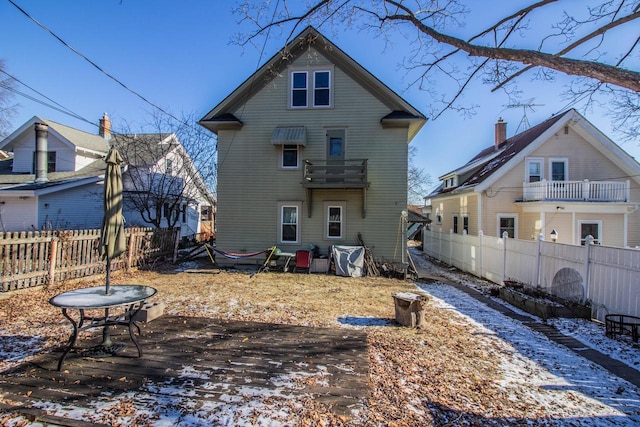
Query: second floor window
[
  {"x": 534, "y": 170},
  {"x": 169, "y": 167},
  {"x": 51, "y": 161},
  {"x": 558, "y": 170},
  {"x": 289, "y": 156}
]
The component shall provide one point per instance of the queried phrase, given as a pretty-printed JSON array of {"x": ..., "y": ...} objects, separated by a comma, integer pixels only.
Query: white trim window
[
  {"x": 322, "y": 88},
  {"x": 316, "y": 93},
  {"x": 534, "y": 170},
  {"x": 335, "y": 220},
  {"x": 590, "y": 227},
  {"x": 290, "y": 157},
  {"x": 289, "y": 223},
  {"x": 456, "y": 228},
  {"x": 299, "y": 88},
  {"x": 508, "y": 223},
  {"x": 558, "y": 169}
]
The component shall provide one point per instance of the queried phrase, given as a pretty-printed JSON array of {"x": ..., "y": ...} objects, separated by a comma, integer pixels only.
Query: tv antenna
[{"x": 525, "y": 121}]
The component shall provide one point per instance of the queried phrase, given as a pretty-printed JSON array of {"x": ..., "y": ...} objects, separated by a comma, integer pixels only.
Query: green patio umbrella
[{"x": 112, "y": 239}]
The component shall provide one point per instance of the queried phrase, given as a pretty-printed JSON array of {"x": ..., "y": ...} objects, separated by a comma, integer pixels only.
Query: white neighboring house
[
  {"x": 62, "y": 187},
  {"x": 161, "y": 184}
]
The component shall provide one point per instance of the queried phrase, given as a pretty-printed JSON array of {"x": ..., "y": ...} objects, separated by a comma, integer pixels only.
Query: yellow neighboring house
[{"x": 562, "y": 178}]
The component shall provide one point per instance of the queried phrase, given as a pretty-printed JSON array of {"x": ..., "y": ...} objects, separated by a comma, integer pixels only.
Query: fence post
[
  {"x": 505, "y": 237},
  {"x": 130, "y": 250},
  {"x": 588, "y": 241},
  {"x": 176, "y": 243},
  {"x": 539, "y": 259},
  {"x": 53, "y": 252},
  {"x": 451, "y": 246}
]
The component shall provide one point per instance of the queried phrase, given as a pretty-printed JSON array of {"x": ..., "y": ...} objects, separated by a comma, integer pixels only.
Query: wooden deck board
[{"x": 204, "y": 360}]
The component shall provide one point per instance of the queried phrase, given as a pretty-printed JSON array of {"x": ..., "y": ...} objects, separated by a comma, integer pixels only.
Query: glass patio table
[{"x": 129, "y": 298}]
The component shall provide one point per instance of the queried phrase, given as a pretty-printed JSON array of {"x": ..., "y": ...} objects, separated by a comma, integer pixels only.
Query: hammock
[{"x": 230, "y": 255}]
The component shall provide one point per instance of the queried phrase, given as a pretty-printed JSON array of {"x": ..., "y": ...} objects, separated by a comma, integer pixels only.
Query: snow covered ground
[{"x": 574, "y": 389}]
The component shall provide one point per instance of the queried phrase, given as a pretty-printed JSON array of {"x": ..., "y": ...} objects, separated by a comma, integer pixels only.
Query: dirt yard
[{"x": 445, "y": 373}]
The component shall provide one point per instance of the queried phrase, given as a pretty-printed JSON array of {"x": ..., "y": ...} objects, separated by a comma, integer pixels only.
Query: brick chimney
[
  {"x": 105, "y": 127},
  {"x": 42, "y": 157},
  {"x": 500, "y": 132}
]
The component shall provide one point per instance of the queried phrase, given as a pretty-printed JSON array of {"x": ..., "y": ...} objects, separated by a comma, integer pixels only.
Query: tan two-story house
[
  {"x": 312, "y": 150},
  {"x": 562, "y": 178}
]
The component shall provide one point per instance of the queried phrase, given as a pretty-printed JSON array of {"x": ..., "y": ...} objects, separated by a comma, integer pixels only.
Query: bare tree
[
  {"x": 169, "y": 170},
  {"x": 418, "y": 180},
  {"x": 596, "y": 43},
  {"x": 7, "y": 108}
]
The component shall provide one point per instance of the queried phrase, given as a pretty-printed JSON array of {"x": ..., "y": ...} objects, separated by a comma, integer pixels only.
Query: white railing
[
  {"x": 607, "y": 277},
  {"x": 591, "y": 191}
]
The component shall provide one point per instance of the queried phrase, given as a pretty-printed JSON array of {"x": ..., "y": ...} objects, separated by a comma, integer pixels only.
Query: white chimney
[{"x": 42, "y": 157}]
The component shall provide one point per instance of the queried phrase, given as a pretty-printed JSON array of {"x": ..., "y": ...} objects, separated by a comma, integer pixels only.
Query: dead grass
[{"x": 439, "y": 374}]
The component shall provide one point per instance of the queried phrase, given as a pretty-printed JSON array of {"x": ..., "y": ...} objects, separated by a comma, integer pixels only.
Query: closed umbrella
[{"x": 112, "y": 239}]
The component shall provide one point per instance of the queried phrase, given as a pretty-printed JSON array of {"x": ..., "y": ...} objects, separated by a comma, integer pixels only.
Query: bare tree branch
[{"x": 495, "y": 55}]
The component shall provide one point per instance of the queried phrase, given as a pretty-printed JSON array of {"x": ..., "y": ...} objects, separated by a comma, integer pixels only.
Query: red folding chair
[{"x": 303, "y": 261}]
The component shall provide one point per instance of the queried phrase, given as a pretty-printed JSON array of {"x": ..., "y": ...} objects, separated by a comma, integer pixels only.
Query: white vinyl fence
[{"x": 607, "y": 277}]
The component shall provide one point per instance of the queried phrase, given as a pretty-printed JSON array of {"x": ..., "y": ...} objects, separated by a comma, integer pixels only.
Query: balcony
[
  {"x": 578, "y": 191},
  {"x": 338, "y": 175},
  {"x": 335, "y": 174}
]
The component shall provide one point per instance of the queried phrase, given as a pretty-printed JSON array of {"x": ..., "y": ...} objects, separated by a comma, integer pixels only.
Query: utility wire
[
  {"x": 58, "y": 107},
  {"x": 96, "y": 65}
]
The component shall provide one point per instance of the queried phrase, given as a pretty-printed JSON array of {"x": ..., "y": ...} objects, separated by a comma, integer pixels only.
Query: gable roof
[
  {"x": 492, "y": 162},
  {"x": 402, "y": 113},
  {"x": 146, "y": 148},
  {"x": 80, "y": 139}
]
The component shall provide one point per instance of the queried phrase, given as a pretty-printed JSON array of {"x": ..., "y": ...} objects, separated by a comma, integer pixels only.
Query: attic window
[
  {"x": 311, "y": 88},
  {"x": 451, "y": 182}
]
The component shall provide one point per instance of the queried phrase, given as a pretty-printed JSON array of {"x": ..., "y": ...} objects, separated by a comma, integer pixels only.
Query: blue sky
[{"x": 177, "y": 54}]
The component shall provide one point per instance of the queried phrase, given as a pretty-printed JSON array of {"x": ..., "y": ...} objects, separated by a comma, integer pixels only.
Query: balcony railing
[
  {"x": 335, "y": 174},
  {"x": 590, "y": 191}
]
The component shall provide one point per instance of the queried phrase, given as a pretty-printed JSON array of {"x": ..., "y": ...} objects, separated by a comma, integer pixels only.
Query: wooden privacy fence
[
  {"x": 35, "y": 258},
  {"x": 607, "y": 277}
]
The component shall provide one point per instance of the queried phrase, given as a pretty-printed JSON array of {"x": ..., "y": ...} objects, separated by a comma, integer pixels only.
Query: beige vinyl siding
[
  {"x": 561, "y": 222},
  {"x": 251, "y": 186},
  {"x": 633, "y": 218},
  {"x": 529, "y": 226},
  {"x": 582, "y": 158},
  {"x": 500, "y": 198}
]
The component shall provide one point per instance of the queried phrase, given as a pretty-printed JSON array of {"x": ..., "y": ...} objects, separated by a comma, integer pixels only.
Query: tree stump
[{"x": 409, "y": 309}]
